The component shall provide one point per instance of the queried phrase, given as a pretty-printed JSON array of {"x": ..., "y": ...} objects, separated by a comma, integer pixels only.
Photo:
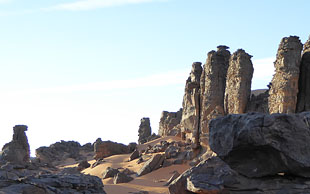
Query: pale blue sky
[{"x": 78, "y": 70}]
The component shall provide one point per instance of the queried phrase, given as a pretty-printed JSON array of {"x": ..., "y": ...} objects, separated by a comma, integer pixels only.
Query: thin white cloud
[{"x": 95, "y": 4}]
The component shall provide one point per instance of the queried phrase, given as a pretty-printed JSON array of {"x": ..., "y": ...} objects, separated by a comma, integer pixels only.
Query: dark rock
[
  {"x": 98, "y": 162},
  {"x": 109, "y": 172},
  {"x": 152, "y": 164},
  {"x": 172, "y": 152},
  {"x": 258, "y": 101},
  {"x": 134, "y": 155},
  {"x": 18, "y": 150},
  {"x": 167, "y": 163},
  {"x": 132, "y": 146},
  {"x": 105, "y": 149},
  {"x": 121, "y": 178},
  {"x": 127, "y": 171},
  {"x": 168, "y": 122},
  {"x": 175, "y": 175},
  {"x": 140, "y": 160},
  {"x": 257, "y": 145},
  {"x": 84, "y": 164},
  {"x": 144, "y": 131}
]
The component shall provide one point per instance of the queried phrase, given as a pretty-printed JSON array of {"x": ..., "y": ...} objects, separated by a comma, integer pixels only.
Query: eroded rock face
[
  {"x": 258, "y": 101},
  {"x": 213, "y": 81},
  {"x": 18, "y": 150},
  {"x": 169, "y": 121},
  {"x": 105, "y": 149},
  {"x": 257, "y": 145},
  {"x": 284, "y": 84},
  {"x": 303, "y": 98},
  {"x": 238, "y": 84},
  {"x": 145, "y": 130},
  {"x": 191, "y": 105},
  {"x": 152, "y": 164}
]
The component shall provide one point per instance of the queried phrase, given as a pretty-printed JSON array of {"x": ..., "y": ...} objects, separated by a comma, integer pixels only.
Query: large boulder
[
  {"x": 105, "y": 149},
  {"x": 257, "y": 145},
  {"x": 168, "y": 122},
  {"x": 214, "y": 176},
  {"x": 145, "y": 130},
  {"x": 152, "y": 164},
  {"x": 284, "y": 84},
  {"x": 18, "y": 150},
  {"x": 121, "y": 178}
]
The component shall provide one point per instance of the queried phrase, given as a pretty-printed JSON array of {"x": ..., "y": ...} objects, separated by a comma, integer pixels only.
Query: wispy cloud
[{"x": 95, "y": 4}]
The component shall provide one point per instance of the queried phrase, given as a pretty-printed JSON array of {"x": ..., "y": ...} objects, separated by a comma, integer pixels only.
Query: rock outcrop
[
  {"x": 303, "y": 98},
  {"x": 168, "y": 123},
  {"x": 257, "y": 145},
  {"x": 145, "y": 130},
  {"x": 212, "y": 83},
  {"x": 18, "y": 150},
  {"x": 284, "y": 84},
  {"x": 58, "y": 152},
  {"x": 238, "y": 84},
  {"x": 258, "y": 101},
  {"x": 152, "y": 164},
  {"x": 105, "y": 149},
  {"x": 191, "y": 105}
]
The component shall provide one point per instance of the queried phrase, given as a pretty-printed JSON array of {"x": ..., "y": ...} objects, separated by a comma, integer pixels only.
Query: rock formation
[
  {"x": 212, "y": 85},
  {"x": 191, "y": 105},
  {"x": 303, "y": 98},
  {"x": 18, "y": 150},
  {"x": 238, "y": 84},
  {"x": 284, "y": 84},
  {"x": 258, "y": 101},
  {"x": 257, "y": 145},
  {"x": 105, "y": 149},
  {"x": 168, "y": 123},
  {"x": 144, "y": 130}
]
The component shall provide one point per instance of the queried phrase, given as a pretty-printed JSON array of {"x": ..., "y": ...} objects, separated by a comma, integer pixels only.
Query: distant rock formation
[
  {"x": 284, "y": 84},
  {"x": 145, "y": 130},
  {"x": 105, "y": 149},
  {"x": 58, "y": 152},
  {"x": 303, "y": 98},
  {"x": 168, "y": 123},
  {"x": 212, "y": 84},
  {"x": 238, "y": 84},
  {"x": 191, "y": 105},
  {"x": 258, "y": 101},
  {"x": 18, "y": 150}
]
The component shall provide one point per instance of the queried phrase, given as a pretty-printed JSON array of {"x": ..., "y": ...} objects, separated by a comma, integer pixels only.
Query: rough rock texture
[
  {"x": 213, "y": 82},
  {"x": 105, "y": 149},
  {"x": 284, "y": 84},
  {"x": 134, "y": 155},
  {"x": 109, "y": 172},
  {"x": 168, "y": 121},
  {"x": 58, "y": 152},
  {"x": 215, "y": 176},
  {"x": 144, "y": 130},
  {"x": 121, "y": 178},
  {"x": 18, "y": 150},
  {"x": 238, "y": 83},
  {"x": 152, "y": 164},
  {"x": 303, "y": 98},
  {"x": 191, "y": 105},
  {"x": 257, "y": 145},
  {"x": 258, "y": 101},
  {"x": 175, "y": 175}
]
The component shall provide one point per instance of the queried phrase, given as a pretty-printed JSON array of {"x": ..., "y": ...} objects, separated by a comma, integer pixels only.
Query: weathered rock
[
  {"x": 284, "y": 84},
  {"x": 168, "y": 121},
  {"x": 152, "y": 164},
  {"x": 109, "y": 172},
  {"x": 213, "y": 83},
  {"x": 258, "y": 101},
  {"x": 172, "y": 151},
  {"x": 121, "y": 178},
  {"x": 175, "y": 175},
  {"x": 82, "y": 165},
  {"x": 18, "y": 150},
  {"x": 134, "y": 155},
  {"x": 105, "y": 149},
  {"x": 191, "y": 105},
  {"x": 144, "y": 130},
  {"x": 132, "y": 147},
  {"x": 58, "y": 152},
  {"x": 257, "y": 145},
  {"x": 303, "y": 98},
  {"x": 152, "y": 137},
  {"x": 238, "y": 82}
]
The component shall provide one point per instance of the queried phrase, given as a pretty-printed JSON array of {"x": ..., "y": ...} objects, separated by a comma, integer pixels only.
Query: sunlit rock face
[
  {"x": 213, "y": 81},
  {"x": 303, "y": 98},
  {"x": 168, "y": 124},
  {"x": 284, "y": 84},
  {"x": 191, "y": 105},
  {"x": 238, "y": 83}
]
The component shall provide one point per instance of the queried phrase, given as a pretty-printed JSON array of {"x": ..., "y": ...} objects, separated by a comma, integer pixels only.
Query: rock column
[
  {"x": 213, "y": 83},
  {"x": 191, "y": 105},
  {"x": 284, "y": 84},
  {"x": 238, "y": 84},
  {"x": 303, "y": 98},
  {"x": 144, "y": 130}
]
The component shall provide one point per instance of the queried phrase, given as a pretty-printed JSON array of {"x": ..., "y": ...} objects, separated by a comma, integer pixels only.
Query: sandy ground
[{"x": 152, "y": 182}]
